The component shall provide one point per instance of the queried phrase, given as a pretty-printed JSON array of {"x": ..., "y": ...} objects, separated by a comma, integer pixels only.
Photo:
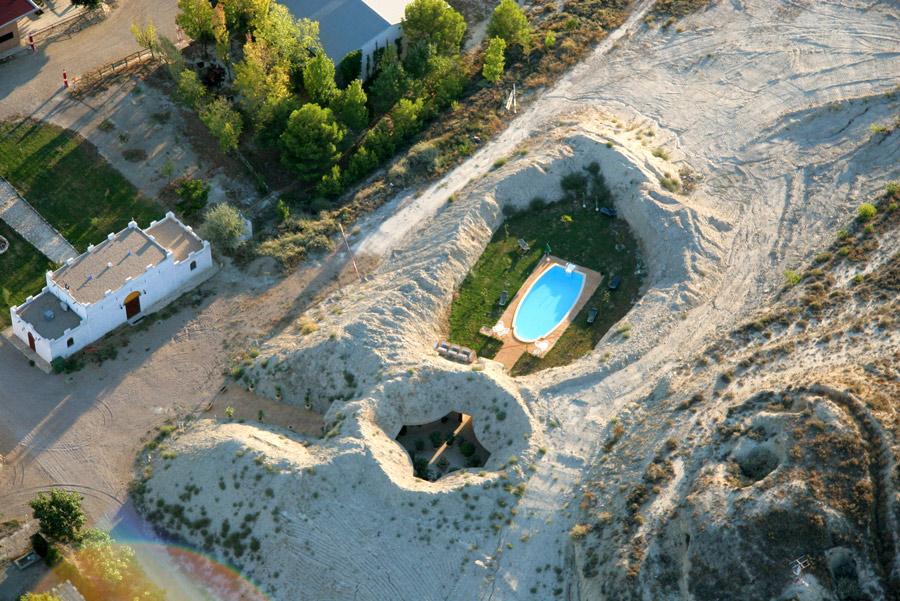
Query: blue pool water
[{"x": 547, "y": 303}]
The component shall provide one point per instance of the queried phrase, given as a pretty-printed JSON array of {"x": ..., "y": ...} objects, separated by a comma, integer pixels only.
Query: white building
[
  {"x": 348, "y": 25},
  {"x": 119, "y": 280}
]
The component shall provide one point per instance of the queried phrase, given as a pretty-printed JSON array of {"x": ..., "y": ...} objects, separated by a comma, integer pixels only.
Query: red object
[
  {"x": 31, "y": 42},
  {"x": 13, "y": 10},
  {"x": 65, "y": 79}
]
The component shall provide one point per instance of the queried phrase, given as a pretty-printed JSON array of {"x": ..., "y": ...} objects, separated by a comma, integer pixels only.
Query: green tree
[
  {"x": 223, "y": 227},
  {"x": 390, "y": 84},
  {"x": 241, "y": 16},
  {"x": 59, "y": 514},
  {"x": 446, "y": 79},
  {"x": 510, "y": 23},
  {"x": 318, "y": 79},
  {"x": 195, "y": 17},
  {"x": 332, "y": 184},
  {"x": 190, "y": 90},
  {"x": 406, "y": 115},
  {"x": 361, "y": 164},
  {"x": 39, "y": 596},
  {"x": 146, "y": 36},
  {"x": 434, "y": 22},
  {"x": 350, "y": 67},
  {"x": 264, "y": 84},
  {"x": 221, "y": 35},
  {"x": 350, "y": 106},
  {"x": 290, "y": 39},
  {"x": 172, "y": 57},
  {"x": 103, "y": 558},
  {"x": 310, "y": 141},
  {"x": 223, "y": 122},
  {"x": 88, "y": 4},
  {"x": 494, "y": 60}
]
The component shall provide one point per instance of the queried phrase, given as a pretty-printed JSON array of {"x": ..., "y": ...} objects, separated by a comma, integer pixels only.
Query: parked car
[
  {"x": 609, "y": 212},
  {"x": 593, "y": 312},
  {"x": 614, "y": 282}
]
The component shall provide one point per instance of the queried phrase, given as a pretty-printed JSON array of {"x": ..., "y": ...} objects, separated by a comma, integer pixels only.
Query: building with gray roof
[{"x": 348, "y": 25}]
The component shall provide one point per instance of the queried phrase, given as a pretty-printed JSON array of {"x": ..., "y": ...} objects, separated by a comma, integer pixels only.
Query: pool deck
[{"x": 512, "y": 347}]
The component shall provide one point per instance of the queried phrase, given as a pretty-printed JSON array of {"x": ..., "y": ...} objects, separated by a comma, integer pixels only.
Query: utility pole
[{"x": 350, "y": 250}]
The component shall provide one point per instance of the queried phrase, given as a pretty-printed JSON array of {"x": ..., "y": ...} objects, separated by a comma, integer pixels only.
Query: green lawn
[
  {"x": 22, "y": 270},
  {"x": 589, "y": 239},
  {"x": 69, "y": 183}
]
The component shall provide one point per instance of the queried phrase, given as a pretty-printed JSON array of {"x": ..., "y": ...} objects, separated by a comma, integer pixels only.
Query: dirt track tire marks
[{"x": 881, "y": 467}]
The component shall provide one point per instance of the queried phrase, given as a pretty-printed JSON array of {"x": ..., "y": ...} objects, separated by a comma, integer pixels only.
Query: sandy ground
[{"x": 770, "y": 103}]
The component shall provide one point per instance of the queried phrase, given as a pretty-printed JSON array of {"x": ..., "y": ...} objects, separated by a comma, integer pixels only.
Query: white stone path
[{"x": 29, "y": 224}]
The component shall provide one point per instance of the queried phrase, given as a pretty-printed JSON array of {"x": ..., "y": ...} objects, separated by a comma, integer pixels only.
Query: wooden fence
[
  {"x": 90, "y": 79},
  {"x": 68, "y": 25}
]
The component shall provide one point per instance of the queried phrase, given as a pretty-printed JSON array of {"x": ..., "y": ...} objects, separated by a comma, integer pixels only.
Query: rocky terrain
[{"x": 737, "y": 423}]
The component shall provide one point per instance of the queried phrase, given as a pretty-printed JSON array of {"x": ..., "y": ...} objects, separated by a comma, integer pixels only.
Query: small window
[
  {"x": 70, "y": 342},
  {"x": 6, "y": 37},
  {"x": 193, "y": 265}
]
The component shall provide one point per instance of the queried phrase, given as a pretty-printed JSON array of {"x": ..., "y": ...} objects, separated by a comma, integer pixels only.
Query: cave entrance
[{"x": 443, "y": 446}]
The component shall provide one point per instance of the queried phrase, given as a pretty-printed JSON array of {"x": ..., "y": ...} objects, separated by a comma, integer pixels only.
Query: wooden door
[
  {"x": 31, "y": 341},
  {"x": 132, "y": 304}
]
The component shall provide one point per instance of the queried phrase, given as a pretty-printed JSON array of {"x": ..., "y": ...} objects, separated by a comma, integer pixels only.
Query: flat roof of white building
[
  {"x": 47, "y": 316},
  {"x": 109, "y": 265},
  {"x": 174, "y": 236}
]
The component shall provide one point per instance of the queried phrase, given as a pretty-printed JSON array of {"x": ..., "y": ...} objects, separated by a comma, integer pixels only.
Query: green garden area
[
  {"x": 67, "y": 181},
  {"x": 581, "y": 235},
  {"x": 22, "y": 270},
  {"x": 64, "y": 178}
]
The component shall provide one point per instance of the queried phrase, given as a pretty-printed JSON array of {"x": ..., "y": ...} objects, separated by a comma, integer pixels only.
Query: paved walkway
[{"x": 22, "y": 217}]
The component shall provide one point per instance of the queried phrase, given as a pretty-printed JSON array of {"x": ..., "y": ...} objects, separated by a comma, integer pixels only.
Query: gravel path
[{"x": 22, "y": 217}]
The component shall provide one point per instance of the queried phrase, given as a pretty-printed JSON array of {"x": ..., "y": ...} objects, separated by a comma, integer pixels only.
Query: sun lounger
[{"x": 523, "y": 245}]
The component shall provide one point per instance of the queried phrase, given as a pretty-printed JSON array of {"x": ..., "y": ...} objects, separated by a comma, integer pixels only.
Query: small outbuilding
[
  {"x": 349, "y": 25},
  {"x": 10, "y": 13},
  {"x": 131, "y": 273}
]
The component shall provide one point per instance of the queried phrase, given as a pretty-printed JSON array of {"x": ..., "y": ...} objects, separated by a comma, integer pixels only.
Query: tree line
[{"x": 331, "y": 125}]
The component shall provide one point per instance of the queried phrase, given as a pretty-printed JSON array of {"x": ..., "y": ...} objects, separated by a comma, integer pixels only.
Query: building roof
[
  {"x": 13, "y": 10},
  {"x": 47, "y": 315},
  {"x": 174, "y": 236},
  {"x": 347, "y": 25},
  {"x": 109, "y": 265}
]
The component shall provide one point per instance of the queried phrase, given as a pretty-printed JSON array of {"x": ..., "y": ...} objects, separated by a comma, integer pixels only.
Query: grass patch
[
  {"x": 589, "y": 239},
  {"x": 64, "y": 177},
  {"x": 22, "y": 270}
]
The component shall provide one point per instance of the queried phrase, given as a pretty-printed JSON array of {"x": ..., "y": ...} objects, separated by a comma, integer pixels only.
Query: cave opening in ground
[{"x": 443, "y": 446}]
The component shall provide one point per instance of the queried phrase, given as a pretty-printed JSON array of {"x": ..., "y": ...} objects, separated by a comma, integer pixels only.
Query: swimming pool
[{"x": 547, "y": 303}]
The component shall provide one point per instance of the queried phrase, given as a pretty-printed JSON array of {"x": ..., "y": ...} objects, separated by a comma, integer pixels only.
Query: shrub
[
  {"x": 466, "y": 448},
  {"x": 224, "y": 227},
  {"x": 550, "y": 39},
  {"x": 893, "y": 189},
  {"x": 190, "y": 90},
  {"x": 579, "y": 531},
  {"x": 332, "y": 184},
  {"x": 192, "y": 194},
  {"x": 223, "y": 122},
  {"x": 866, "y": 212},
  {"x": 791, "y": 278}
]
